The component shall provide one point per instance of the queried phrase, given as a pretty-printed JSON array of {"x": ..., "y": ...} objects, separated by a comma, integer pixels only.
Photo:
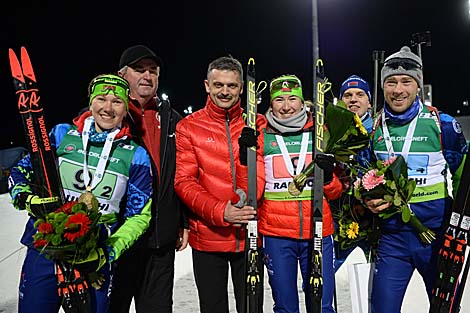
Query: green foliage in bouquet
[
  {"x": 70, "y": 232},
  {"x": 344, "y": 135},
  {"x": 388, "y": 180},
  {"x": 354, "y": 224}
]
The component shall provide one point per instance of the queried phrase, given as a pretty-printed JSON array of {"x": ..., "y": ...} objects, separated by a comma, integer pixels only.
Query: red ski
[
  {"x": 72, "y": 287},
  {"x": 47, "y": 181}
]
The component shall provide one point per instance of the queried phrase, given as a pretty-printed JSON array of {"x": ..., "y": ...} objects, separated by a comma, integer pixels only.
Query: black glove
[
  {"x": 327, "y": 163},
  {"x": 248, "y": 138},
  {"x": 35, "y": 205}
]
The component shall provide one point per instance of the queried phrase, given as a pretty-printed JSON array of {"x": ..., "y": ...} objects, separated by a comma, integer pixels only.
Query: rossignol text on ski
[
  {"x": 47, "y": 180},
  {"x": 71, "y": 284}
]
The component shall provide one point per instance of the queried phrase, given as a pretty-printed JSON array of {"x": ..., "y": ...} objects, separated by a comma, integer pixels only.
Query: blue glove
[{"x": 35, "y": 205}]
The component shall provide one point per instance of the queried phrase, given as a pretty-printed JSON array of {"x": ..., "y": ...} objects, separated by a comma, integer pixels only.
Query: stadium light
[{"x": 188, "y": 110}]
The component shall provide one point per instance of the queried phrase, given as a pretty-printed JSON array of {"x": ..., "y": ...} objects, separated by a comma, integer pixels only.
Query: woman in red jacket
[{"x": 286, "y": 220}]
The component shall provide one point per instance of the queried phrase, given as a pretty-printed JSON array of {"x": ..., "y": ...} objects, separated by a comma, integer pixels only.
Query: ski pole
[
  {"x": 419, "y": 39},
  {"x": 378, "y": 58}
]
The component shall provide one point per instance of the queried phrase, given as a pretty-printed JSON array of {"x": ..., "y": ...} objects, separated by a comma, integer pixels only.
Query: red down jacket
[
  {"x": 204, "y": 174},
  {"x": 292, "y": 219}
]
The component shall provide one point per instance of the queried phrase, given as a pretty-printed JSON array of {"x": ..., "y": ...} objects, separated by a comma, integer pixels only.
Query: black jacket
[{"x": 168, "y": 212}]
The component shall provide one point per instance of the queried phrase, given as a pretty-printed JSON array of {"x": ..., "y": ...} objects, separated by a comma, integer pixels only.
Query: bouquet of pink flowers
[{"x": 388, "y": 180}]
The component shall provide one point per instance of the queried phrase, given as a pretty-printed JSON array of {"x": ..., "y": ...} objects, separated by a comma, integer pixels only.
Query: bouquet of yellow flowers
[
  {"x": 389, "y": 180},
  {"x": 344, "y": 135},
  {"x": 355, "y": 222},
  {"x": 71, "y": 231}
]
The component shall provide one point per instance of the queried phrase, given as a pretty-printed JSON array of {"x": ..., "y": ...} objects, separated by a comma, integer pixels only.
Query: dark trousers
[
  {"x": 38, "y": 286},
  {"x": 211, "y": 276},
  {"x": 147, "y": 275}
]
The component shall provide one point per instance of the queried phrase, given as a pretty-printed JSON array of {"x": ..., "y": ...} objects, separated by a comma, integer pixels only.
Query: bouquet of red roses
[
  {"x": 388, "y": 180},
  {"x": 71, "y": 231}
]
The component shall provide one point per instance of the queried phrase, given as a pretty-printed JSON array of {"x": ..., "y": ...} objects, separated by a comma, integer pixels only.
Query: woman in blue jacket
[{"x": 119, "y": 177}]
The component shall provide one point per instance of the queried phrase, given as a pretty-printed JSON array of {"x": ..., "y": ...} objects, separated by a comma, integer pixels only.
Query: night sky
[{"x": 70, "y": 42}]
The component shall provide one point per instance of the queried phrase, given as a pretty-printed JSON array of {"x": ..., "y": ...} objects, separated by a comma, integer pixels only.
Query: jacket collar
[
  {"x": 217, "y": 112},
  {"x": 307, "y": 127},
  {"x": 403, "y": 117},
  {"x": 134, "y": 105},
  {"x": 79, "y": 121}
]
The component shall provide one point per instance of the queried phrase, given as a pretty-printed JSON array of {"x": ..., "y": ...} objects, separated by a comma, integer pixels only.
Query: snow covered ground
[{"x": 185, "y": 292}]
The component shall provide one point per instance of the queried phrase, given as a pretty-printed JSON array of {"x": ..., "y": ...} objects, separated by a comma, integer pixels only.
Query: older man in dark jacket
[{"x": 146, "y": 272}]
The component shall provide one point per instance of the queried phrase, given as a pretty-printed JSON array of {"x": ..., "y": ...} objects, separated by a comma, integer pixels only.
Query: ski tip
[
  {"x": 27, "y": 66},
  {"x": 15, "y": 66},
  {"x": 12, "y": 56}
]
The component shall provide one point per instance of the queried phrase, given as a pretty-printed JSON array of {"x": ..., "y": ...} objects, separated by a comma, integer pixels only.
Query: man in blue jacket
[{"x": 431, "y": 143}]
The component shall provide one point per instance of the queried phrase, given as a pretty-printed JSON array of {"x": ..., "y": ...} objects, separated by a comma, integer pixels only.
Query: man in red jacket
[{"x": 208, "y": 176}]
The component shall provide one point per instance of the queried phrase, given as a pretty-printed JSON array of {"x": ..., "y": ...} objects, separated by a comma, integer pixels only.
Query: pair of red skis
[{"x": 72, "y": 287}]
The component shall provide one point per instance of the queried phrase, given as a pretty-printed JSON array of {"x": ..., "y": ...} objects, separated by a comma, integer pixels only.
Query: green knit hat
[
  {"x": 286, "y": 85},
  {"x": 106, "y": 83}
]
